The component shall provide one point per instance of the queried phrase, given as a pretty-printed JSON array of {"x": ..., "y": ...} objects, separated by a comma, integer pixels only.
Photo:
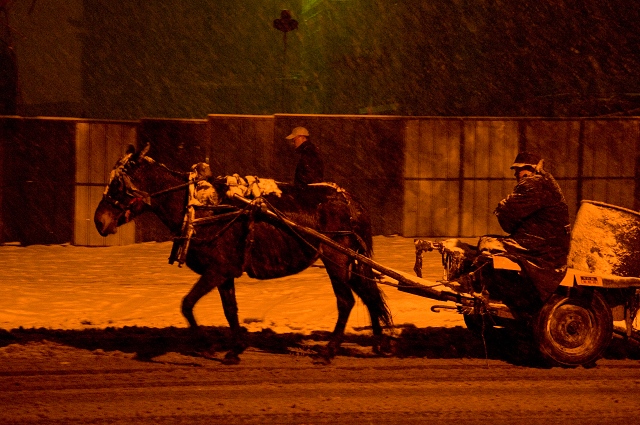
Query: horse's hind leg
[
  {"x": 345, "y": 302},
  {"x": 363, "y": 284},
  {"x": 382, "y": 344},
  {"x": 358, "y": 277}
]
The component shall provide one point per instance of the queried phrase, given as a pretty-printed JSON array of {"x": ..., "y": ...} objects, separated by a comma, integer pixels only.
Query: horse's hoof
[
  {"x": 384, "y": 347},
  {"x": 323, "y": 356},
  {"x": 321, "y": 361},
  {"x": 231, "y": 359},
  {"x": 382, "y": 351},
  {"x": 144, "y": 357},
  {"x": 208, "y": 354},
  {"x": 383, "y": 354},
  {"x": 199, "y": 338},
  {"x": 239, "y": 348}
]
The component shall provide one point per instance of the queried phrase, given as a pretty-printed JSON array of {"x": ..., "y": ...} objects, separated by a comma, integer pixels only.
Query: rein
[
  {"x": 140, "y": 196},
  {"x": 174, "y": 188}
]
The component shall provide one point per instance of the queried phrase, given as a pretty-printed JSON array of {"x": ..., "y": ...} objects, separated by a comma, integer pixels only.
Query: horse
[{"x": 240, "y": 237}]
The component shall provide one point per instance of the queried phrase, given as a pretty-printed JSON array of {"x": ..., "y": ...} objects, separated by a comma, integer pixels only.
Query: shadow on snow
[{"x": 509, "y": 345}]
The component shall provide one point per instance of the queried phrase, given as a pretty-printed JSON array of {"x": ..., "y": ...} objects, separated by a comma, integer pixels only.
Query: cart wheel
[{"x": 574, "y": 330}]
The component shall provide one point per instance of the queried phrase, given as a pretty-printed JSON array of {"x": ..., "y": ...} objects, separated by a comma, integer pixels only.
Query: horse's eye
[{"x": 116, "y": 185}]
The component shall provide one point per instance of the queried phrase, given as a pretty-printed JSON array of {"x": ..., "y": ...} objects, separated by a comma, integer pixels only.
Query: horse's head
[{"x": 122, "y": 200}]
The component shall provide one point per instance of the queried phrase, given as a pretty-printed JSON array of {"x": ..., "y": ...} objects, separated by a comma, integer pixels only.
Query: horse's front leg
[
  {"x": 230, "y": 306},
  {"x": 202, "y": 287},
  {"x": 226, "y": 287}
]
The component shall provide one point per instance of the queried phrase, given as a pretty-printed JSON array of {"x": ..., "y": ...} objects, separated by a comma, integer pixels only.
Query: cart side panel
[{"x": 606, "y": 240}]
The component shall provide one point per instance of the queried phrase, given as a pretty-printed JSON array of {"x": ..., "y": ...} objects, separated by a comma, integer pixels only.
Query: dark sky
[{"x": 123, "y": 59}]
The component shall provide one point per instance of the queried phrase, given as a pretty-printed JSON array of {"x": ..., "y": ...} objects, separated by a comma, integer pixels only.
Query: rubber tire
[{"x": 573, "y": 330}]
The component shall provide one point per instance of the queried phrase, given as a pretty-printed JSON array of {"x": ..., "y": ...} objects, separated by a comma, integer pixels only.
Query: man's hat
[
  {"x": 298, "y": 131},
  {"x": 526, "y": 159}
]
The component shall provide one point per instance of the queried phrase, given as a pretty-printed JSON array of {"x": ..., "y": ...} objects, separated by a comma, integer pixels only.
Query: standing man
[{"x": 310, "y": 168}]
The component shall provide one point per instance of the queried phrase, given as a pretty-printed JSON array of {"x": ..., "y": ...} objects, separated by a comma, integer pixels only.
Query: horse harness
[
  {"x": 179, "y": 250},
  {"x": 252, "y": 206}
]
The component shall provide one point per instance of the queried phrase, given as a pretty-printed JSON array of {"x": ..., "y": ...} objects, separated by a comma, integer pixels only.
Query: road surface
[
  {"x": 95, "y": 335},
  {"x": 50, "y": 383}
]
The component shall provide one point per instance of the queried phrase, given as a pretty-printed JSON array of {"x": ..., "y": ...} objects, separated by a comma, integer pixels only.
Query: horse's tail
[{"x": 364, "y": 285}]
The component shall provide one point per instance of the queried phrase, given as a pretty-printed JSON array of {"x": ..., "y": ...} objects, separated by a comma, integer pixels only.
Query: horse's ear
[
  {"x": 130, "y": 149},
  {"x": 140, "y": 154},
  {"x": 144, "y": 150}
]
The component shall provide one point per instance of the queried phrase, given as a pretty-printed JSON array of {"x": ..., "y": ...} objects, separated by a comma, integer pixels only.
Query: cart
[
  {"x": 601, "y": 288},
  {"x": 576, "y": 324}
]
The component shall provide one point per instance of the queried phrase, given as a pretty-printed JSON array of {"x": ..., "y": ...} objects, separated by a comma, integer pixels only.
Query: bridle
[
  {"x": 119, "y": 174},
  {"x": 138, "y": 198}
]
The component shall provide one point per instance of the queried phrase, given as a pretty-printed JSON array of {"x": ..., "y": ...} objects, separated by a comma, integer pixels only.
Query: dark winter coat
[
  {"x": 536, "y": 217},
  {"x": 310, "y": 168}
]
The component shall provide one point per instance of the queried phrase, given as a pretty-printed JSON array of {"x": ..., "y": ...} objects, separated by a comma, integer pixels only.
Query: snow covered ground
[{"x": 70, "y": 287}]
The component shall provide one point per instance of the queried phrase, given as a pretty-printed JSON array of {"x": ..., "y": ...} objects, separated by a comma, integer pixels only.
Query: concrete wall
[
  {"x": 418, "y": 176},
  {"x": 457, "y": 169}
]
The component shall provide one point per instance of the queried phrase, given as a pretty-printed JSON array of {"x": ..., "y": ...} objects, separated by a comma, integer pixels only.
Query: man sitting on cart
[{"x": 536, "y": 217}]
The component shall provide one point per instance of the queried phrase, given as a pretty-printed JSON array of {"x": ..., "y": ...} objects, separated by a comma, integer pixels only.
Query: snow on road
[{"x": 71, "y": 287}]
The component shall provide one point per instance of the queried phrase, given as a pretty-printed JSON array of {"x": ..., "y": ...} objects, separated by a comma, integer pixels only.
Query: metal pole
[
  {"x": 285, "y": 71},
  {"x": 406, "y": 284},
  {"x": 284, "y": 24}
]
